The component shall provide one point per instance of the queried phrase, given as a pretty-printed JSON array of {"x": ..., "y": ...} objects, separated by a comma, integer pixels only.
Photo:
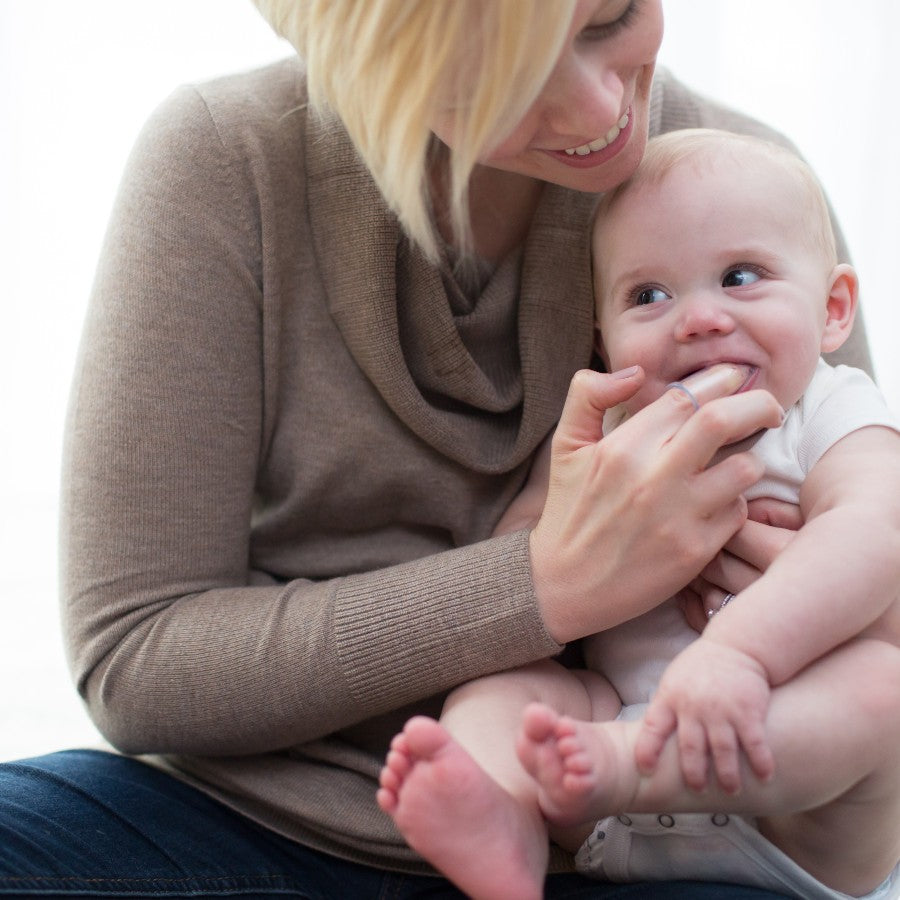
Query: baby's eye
[
  {"x": 646, "y": 296},
  {"x": 739, "y": 277}
]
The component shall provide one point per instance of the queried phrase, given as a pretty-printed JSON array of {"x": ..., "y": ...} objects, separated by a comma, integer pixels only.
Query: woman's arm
[{"x": 188, "y": 628}]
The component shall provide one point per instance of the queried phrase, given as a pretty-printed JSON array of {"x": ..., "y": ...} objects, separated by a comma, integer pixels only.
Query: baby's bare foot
[
  {"x": 456, "y": 816},
  {"x": 584, "y": 770}
]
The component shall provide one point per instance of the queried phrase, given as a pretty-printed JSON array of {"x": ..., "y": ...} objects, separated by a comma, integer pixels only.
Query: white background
[{"x": 77, "y": 80}]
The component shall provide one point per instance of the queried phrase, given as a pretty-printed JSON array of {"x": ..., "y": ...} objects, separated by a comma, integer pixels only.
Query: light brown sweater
[{"x": 289, "y": 440}]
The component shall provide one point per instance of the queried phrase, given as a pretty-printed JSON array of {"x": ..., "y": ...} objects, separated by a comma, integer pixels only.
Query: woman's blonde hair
[{"x": 389, "y": 69}]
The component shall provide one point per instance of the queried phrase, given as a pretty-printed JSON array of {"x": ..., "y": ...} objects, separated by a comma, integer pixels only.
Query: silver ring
[{"x": 725, "y": 601}]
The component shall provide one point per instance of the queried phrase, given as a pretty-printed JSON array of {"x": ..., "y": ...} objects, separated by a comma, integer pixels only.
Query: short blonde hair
[
  {"x": 389, "y": 68},
  {"x": 696, "y": 146}
]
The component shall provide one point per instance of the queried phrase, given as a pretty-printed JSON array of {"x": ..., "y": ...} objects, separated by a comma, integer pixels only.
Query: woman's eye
[
  {"x": 646, "y": 296},
  {"x": 740, "y": 277},
  {"x": 604, "y": 30}
]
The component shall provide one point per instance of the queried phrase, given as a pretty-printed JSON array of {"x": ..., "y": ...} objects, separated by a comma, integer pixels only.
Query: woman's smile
[{"x": 599, "y": 150}]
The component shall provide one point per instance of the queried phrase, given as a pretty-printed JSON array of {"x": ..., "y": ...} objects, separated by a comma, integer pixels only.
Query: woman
[{"x": 325, "y": 340}]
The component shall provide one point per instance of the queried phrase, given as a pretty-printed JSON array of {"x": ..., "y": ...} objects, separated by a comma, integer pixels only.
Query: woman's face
[{"x": 588, "y": 127}]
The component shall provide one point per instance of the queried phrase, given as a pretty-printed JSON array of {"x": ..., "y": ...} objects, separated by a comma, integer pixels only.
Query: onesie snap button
[
  {"x": 666, "y": 820},
  {"x": 720, "y": 819},
  {"x": 624, "y": 820}
]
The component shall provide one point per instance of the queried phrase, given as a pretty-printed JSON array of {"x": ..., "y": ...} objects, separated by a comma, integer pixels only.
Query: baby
[{"x": 716, "y": 260}]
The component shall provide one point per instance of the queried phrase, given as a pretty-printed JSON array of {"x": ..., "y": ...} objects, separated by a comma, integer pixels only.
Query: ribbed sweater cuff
[{"x": 422, "y": 627}]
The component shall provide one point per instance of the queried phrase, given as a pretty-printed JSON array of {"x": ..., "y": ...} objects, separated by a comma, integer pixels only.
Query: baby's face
[{"x": 712, "y": 265}]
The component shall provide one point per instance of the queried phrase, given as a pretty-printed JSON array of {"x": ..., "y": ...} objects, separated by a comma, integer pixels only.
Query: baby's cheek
[{"x": 645, "y": 396}]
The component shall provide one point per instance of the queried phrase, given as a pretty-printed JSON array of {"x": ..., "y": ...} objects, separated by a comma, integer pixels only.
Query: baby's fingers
[
  {"x": 658, "y": 725},
  {"x": 723, "y": 744},
  {"x": 694, "y": 751},
  {"x": 756, "y": 748}
]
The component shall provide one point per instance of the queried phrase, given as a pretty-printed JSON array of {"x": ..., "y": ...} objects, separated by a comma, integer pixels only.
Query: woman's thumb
[{"x": 590, "y": 395}]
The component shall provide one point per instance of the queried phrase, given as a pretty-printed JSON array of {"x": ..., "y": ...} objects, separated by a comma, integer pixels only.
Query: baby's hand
[{"x": 716, "y": 699}]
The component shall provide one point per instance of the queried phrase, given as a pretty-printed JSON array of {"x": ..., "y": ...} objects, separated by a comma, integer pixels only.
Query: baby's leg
[
  {"x": 847, "y": 749},
  {"x": 834, "y": 730},
  {"x": 458, "y": 793}
]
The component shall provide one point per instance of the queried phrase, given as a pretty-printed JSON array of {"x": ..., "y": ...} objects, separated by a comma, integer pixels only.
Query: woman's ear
[{"x": 840, "y": 308}]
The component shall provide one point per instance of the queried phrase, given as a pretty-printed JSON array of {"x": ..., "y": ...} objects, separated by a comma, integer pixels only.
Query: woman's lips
[{"x": 573, "y": 158}]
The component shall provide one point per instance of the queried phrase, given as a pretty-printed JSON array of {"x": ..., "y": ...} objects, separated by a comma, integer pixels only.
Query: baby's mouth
[{"x": 719, "y": 380}]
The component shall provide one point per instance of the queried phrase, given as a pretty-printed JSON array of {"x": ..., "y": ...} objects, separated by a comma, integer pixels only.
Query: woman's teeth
[{"x": 600, "y": 143}]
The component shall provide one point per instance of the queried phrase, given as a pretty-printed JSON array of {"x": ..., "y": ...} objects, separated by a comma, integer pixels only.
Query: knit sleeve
[{"x": 176, "y": 645}]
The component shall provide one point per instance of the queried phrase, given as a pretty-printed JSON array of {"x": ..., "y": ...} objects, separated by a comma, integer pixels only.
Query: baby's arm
[
  {"x": 837, "y": 578},
  {"x": 526, "y": 508},
  {"x": 840, "y": 575}
]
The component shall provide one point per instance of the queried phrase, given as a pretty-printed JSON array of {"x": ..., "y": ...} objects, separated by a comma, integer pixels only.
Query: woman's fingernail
[
  {"x": 625, "y": 373},
  {"x": 717, "y": 381}
]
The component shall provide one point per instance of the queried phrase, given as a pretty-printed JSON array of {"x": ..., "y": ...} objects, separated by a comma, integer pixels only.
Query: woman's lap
[{"x": 86, "y": 822}]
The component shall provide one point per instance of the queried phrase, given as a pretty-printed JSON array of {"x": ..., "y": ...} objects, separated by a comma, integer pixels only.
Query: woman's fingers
[
  {"x": 709, "y": 600},
  {"x": 757, "y": 545},
  {"x": 655, "y": 425},
  {"x": 721, "y": 422},
  {"x": 769, "y": 511},
  {"x": 727, "y": 574},
  {"x": 693, "y": 607},
  {"x": 642, "y": 492},
  {"x": 590, "y": 395},
  {"x": 726, "y": 482}
]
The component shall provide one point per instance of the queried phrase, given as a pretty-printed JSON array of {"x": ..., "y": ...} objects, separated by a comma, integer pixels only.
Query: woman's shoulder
[
  {"x": 257, "y": 97},
  {"x": 257, "y": 112}
]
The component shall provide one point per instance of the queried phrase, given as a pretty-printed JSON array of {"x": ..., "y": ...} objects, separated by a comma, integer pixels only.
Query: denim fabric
[{"x": 90, "y": 823}]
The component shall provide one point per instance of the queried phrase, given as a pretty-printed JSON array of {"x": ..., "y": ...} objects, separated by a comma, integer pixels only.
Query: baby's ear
[{"x": 840, "y": 308}]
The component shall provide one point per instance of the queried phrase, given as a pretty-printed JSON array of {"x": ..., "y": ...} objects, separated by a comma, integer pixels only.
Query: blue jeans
[{"x": 89, "y": 823}]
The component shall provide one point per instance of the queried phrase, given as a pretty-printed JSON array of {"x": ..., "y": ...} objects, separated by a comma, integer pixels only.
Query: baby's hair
[
  {"x": 702, "y": 147},
  {"x": 390, "y": 68}
]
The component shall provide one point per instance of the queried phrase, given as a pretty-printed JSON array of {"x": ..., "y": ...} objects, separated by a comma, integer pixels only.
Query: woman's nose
[
  {"x": 583, "y": 100},
  {"x": 702, "y": 316}
]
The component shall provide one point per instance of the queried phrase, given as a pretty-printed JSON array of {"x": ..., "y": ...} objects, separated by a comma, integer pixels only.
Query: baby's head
[{"x": 719, "y": 248}]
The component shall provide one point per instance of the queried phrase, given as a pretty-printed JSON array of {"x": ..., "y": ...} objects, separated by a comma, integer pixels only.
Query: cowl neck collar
[{"x": 486, "y": 410}]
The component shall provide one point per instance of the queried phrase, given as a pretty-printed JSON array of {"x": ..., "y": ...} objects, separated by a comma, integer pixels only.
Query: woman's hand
[
  {"x": 631, "y": 518},
  {"x": 770, "y": 527}
]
